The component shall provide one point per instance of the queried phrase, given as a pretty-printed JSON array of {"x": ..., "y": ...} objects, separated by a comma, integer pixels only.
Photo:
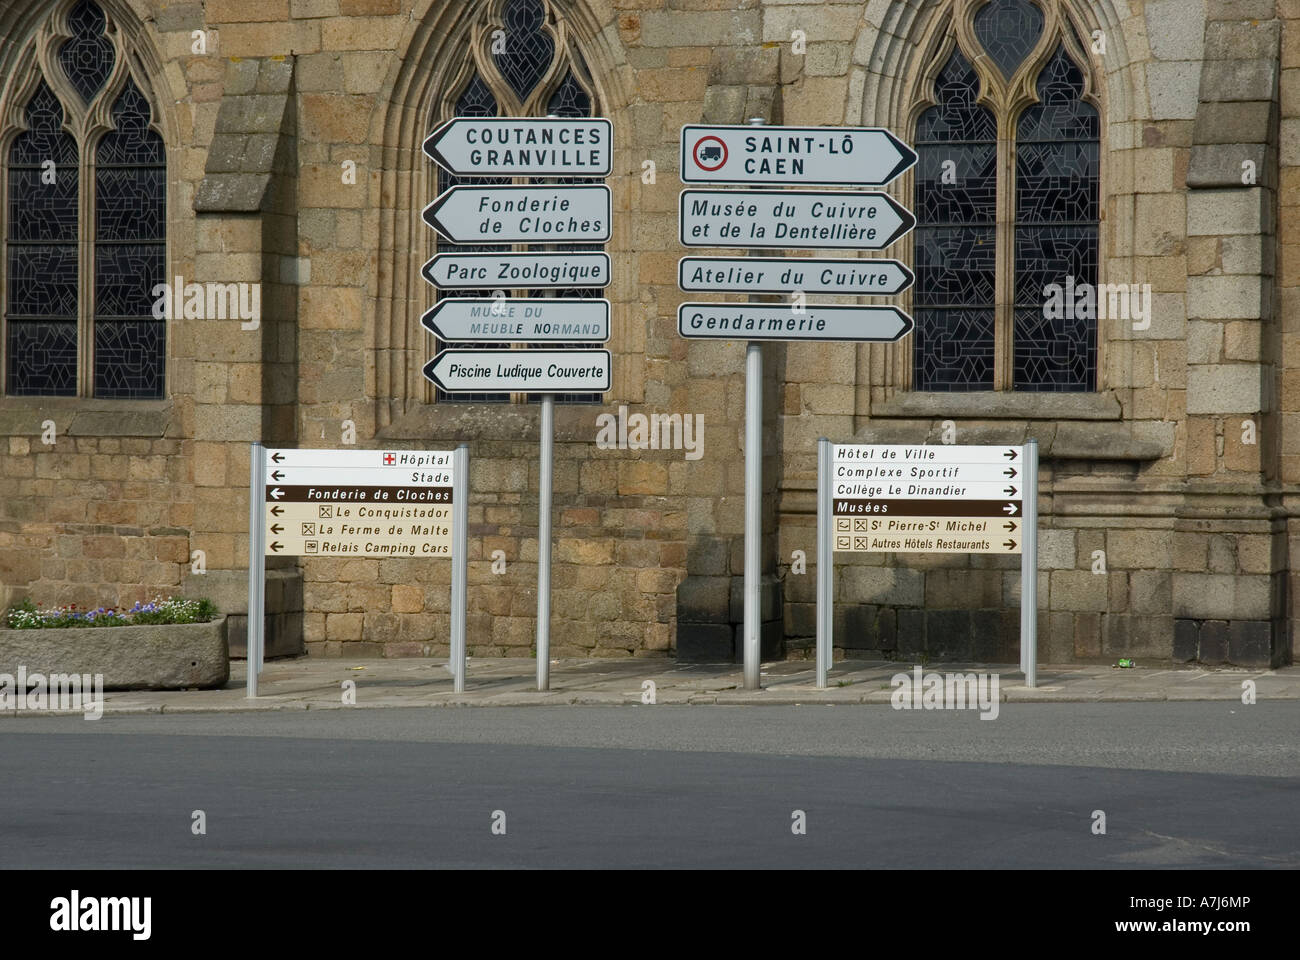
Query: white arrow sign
[
  {"x": 523, "y": 147},
  {"x": 881, "y": 278},
  {"x": 790, "y": 219},
  {"x": 522, "y": 214},
  {"x": 930, "y": 453},
  {"x": 523, "y": 371},
  {"x": 875, "y": 470},
  {"x": 395, "y": 460},
  {"x": 764, "y": 321},
  {"x": 924, "y": 490},
  {"x": 510, "y": 271},
  {"x": 858, "y": 156},
  {"x": 359, "y": 476},
  {"x": 471, "y": 320}
]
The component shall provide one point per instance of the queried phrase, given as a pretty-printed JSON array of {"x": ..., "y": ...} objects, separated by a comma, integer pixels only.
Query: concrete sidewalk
[{"x": 317, "y": 684}]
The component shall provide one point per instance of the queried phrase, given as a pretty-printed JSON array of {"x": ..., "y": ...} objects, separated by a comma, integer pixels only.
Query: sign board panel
[
  {"x": 563, "y": 213},
  {"x": 512, "y": 271},
  {"x": 520, "y": 371},
  {"x": 523, "y": 147},
  {"x": 359, "y": 503},
  {"x": 926, "y": 535},
  {"x": 515, "y": 320},
  {"x": 842, "y": 277},
  {"x": 851, "y": 156},
  {"x": 932, "y": 498},
  {"x": 790, "y": 219},
  {"x": 774, "y": 321}
]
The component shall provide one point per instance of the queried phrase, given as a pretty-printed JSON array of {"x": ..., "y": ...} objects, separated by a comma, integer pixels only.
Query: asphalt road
[{"x": 1181, "y": 784}]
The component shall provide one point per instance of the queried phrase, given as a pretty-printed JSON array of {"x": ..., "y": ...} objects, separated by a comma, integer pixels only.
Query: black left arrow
[
  {"x": 277, "y": 546},
  {"x": 277, "y": 457},
  {"x": 276, "y": 528},
  {"x": 277, "y": 510},
  {"x": 277, "y": 475}
]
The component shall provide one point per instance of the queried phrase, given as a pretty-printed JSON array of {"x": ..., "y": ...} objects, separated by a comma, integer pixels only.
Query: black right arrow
[
  {"x": 1009, "y": 526},
  {"x": 1010, "y": 454},
  {"x": 1009, "y": 544},
  {"x": 1009, "y": 472},
  {"x": 1009, "y": 491}
]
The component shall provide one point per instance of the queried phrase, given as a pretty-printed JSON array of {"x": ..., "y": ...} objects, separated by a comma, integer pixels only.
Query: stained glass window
[
  {"x": 88, "y": 57},
  {"x": 1008, "y": 30},
  {"x": 48, "y": 326},
  {"x": 1057, "y": 211},
  {"x": 130, "y": 248},
  {"x": 1050, "y": 178},
  {"x": 522, "y": 57},
  {"x": 956, "y": 214},
  {"x": 528, "y": 49},
  {"x": 41, "y": 234}
]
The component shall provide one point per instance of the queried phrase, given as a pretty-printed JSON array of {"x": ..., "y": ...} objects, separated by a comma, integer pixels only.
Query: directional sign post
[
  {"x": 791, "y": 219},
  {"x": 510, "y": 271},
  {"x": 523, "y": 146},
  {"x": 353, "y": 503},
  {"x": 757, "y": 155},
  {"x": 520, "y": 371},
  {"x": 841, "y": 277},
  {"x": 857, "y": 156},
  {"x": 539, "y": 214},
  {"x": 774, "y": 321},
  {"x": 558, "y": 319},
  {"x": 562, "y": 213},
  {"x": 931, "y": 498}
]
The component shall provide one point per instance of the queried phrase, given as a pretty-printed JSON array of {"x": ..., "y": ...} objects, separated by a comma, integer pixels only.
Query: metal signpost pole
[
  {"x": 753, "y": 503},
  {"x": 256, "y": 561},
  {"x": 824, "y": 560},
  {"x": 1029, "y": 567},
  {"x": 459, "y": 562},
  {"x": 545, "y": 476},
  {"x": 753, "y": 507}
]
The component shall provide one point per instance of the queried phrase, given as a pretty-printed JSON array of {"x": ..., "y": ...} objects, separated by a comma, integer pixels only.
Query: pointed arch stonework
[{"x": 901, "y": 47}]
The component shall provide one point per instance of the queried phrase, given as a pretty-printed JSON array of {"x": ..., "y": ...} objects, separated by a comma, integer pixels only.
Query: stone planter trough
[{"x": 156, "y": 657}]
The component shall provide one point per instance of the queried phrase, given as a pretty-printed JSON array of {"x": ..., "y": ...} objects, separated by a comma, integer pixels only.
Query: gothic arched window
[
  {"x": 1007, "y": 203},
  {"x": 520, "y": 62},
  {"x": 85, "y": 214}
]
